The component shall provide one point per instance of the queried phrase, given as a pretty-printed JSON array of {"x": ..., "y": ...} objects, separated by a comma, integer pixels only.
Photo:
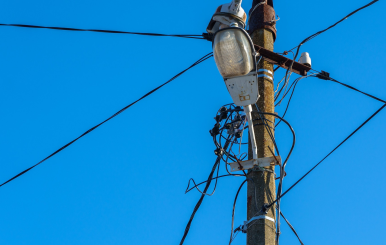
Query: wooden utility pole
[{"x": 263, "y": 32}]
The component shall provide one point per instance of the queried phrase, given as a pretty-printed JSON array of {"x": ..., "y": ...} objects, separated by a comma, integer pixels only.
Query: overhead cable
[
  {"x": 318, "y": 33},
  {"x": 187, "y": 228},
  {"x": 188, "y": 189},
  {"x": 233, "y": 209},
  {"x": 105, "y": 31},
  {"x": 108, "y": 119},
  {"x": 292, "y": 228},
  {"x": 332, "y": 26},
  {"x": 266, "y": 207},
  {"x": 325, "y": 76}
]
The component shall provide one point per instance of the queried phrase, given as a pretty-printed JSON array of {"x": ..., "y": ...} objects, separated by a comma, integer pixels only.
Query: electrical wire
[
  {"x": 292, "y": 228},
  {"x": 332, "y": 26},
  {"x": 294, "y": 84},
  {"x": 229, "y": 117},
  {"x": 282, "y": 167},
  {"x": 320, "y": 75},
  {"x": 233, "y": 210},
  {"x": 218, "y": 177},
  {"x": 215, "y": 185},
  {"x": 328, "y": 78},
  {"x": 187, "y": 228},
  {"x": 317, "y": 34},
  {"x": 266, "y": 207},
  {"x": 104, "y": 31},
  {"x": 108, "y": 119}
]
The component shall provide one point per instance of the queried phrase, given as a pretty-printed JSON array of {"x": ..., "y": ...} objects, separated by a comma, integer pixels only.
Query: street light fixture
[{"x": 235, "y": 58}]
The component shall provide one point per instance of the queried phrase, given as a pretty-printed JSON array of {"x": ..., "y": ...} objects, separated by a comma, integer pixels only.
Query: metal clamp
[
  {"x": 244, "y": 227},
  {"x": 264, "y": 70}
]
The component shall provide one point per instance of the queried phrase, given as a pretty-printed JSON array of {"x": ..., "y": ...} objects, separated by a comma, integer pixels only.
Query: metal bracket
[
  {"x": 282, "y": 61},
  {"x": 249, "y": 164},
  {"x": 244, "y": 90}
]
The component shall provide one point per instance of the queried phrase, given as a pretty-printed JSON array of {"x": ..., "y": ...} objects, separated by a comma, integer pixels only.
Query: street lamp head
[
  {"x": 226, "y": 14},
  {"x": 235, "y": 58},
  {"x": 233, "y": 52}
]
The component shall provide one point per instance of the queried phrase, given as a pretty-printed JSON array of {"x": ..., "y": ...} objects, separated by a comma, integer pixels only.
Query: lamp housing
[
  {"x": 234, "y": 52},
  {"x": 235, "y": 58}
]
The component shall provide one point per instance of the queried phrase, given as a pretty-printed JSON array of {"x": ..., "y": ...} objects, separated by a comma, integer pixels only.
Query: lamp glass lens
[{"x": 233, "y": 53}]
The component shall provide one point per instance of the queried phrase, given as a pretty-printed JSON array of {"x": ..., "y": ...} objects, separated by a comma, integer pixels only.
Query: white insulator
[{"x": 305, "y": 59}]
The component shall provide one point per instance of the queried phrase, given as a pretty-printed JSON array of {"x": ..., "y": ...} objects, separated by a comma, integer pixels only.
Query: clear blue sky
[{"x": 125, "y": 182}]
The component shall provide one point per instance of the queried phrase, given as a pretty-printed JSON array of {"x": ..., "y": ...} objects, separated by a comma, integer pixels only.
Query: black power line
[
  {"x": 108, "y": 119},
  {"x": 105, "y": 31},
  {"x": 266, "y": 207},
  {"x": 332, "y": 26},
  {"x": 218, "y": 160},
  {"x": 320, "y": 32},
  {"x": 325, "y": 76}
]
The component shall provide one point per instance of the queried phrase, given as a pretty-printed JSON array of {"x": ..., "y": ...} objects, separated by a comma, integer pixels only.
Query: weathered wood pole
[{"x": 263, "y": 32}]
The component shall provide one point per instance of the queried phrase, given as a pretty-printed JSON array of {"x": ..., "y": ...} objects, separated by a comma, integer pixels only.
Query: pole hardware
[
  {"x": 324, "y": 75},
  {"x": 250, "y": 164},
  {"x": 282, "y": 61},
  {"x": 244, "y": 228}
]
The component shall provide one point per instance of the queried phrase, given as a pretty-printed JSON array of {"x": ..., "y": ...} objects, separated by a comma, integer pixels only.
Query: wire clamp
[
  {"x": 244, "y": 228},
  {"x": 219, "y": 152},
  {"x": 259, "y": 162},
  {"x": 324, "y": 75}
]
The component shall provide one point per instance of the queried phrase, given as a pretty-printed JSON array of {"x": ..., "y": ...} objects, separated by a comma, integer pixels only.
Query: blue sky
[{"x": 125, "y": 182}]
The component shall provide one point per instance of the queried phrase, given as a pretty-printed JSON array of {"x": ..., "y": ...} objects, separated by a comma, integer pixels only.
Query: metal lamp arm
[{"x": 248, "y": 113}]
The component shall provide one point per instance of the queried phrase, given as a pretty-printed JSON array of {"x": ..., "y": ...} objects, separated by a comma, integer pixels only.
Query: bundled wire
[
  {"x": 282, "y": 167},
  {"x": 187, "y": 228},
  {"x": 105, "y": 31},
  {"x": 293, "y": 86},
  {"x": 266, "y": 207},
  {"x": 230, "y": 126},
  {"x": 108, "y": 119},
  {"x": 324, "y": 76}
]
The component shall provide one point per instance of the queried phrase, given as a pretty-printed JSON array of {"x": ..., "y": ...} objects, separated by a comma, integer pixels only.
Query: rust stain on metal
[{"x": 263, "y": 18}]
